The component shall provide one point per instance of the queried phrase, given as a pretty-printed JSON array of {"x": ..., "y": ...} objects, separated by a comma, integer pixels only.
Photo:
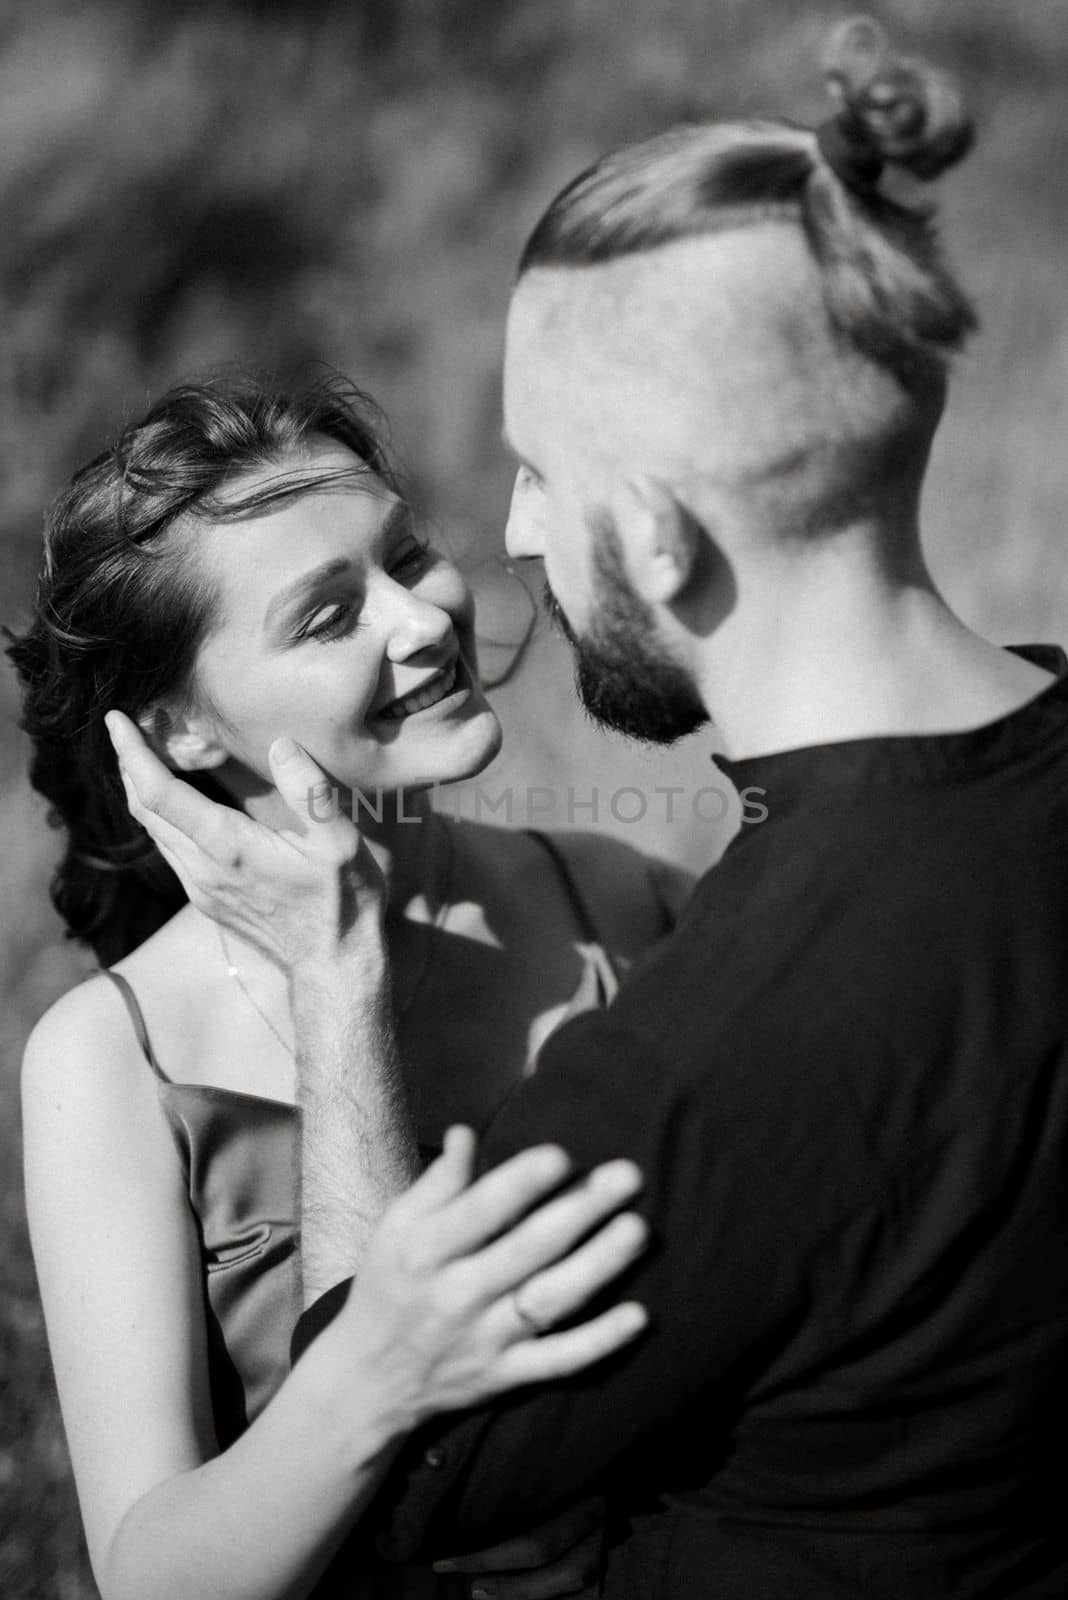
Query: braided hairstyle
[
  {"x": 886, "y": 288},
  {"x": 122, "y": 608}
]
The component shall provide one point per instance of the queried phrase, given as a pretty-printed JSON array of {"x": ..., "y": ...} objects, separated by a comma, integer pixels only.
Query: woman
[{"x": 242, "y": 565}]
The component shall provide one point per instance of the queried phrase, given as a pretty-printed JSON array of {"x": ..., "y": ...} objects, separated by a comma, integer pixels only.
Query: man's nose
[{"x": 523, "y": 533}]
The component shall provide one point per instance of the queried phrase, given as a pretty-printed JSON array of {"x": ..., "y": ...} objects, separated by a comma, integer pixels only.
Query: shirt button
[{"x": 435, "y": 1457}]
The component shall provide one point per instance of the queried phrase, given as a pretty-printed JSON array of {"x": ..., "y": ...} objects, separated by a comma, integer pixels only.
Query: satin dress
[{"x": 240, "y": 1156}]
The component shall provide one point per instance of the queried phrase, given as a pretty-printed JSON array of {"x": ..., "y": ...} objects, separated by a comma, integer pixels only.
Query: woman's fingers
[
  {"x": 496, "y": 1201},
  {"x": 555, "y": 1228},
  {"x": 549, "y": 1297},
  {"x": 559, "y": 1355},
  {"x": 455, "y": 1316},
  {"x": 446, "y": 1177}
]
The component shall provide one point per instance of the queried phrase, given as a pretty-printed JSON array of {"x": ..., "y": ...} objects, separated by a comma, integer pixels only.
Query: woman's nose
[{"x": 414, "y": 624}]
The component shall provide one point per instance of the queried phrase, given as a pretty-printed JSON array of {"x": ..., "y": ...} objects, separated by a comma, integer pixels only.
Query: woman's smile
[{"x": 436, "y": 688}]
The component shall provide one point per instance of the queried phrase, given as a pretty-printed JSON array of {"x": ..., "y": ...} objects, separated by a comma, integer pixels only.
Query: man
[{"x": 845, "y": 1075}]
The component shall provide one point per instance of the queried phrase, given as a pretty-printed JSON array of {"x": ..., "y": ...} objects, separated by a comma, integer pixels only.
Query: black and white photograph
[{"x": 534, "y": 800}]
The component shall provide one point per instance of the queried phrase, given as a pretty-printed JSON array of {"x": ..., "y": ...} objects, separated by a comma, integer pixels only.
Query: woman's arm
[
  {"x": 118, "y": 1264},
  {"x": 166, "y": 1514}
]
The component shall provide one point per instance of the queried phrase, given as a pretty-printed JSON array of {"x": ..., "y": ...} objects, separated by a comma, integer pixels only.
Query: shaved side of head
[
  {"x": 713, "y": 359},
  {"x": 775, "y": 318},
  {"x": 729, "y": 346}
]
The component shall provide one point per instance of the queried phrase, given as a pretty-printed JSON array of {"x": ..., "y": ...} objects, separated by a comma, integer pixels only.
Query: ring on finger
[{"x": 531, "y": 1323}]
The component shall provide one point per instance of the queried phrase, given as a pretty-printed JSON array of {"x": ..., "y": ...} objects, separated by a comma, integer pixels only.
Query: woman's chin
[
  {"x": 472, "y": 749},
  {"x": 466, "y": 750},
  {"x": 485, "y": 748}
]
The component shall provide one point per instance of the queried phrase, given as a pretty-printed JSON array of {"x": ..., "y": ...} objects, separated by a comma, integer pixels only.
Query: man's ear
[
  {"x": 661, "y": 537},
  {"x": 184, "y": 740}
]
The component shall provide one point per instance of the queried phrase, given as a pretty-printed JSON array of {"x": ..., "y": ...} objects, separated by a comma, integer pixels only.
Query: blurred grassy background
[{"x": 351, "y": 182}]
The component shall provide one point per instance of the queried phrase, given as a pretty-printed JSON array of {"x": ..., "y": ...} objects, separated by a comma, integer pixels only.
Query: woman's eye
[
  {"x": 328, "y": 622},
  {"x": 413, "y": 558},
  {"x": 529, "y": 478}
]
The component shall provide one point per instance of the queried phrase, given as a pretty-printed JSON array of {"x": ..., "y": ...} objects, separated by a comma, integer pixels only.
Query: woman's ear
[
  {"x": 661, "y": 537},
  {"x": 183, "y": 740}
]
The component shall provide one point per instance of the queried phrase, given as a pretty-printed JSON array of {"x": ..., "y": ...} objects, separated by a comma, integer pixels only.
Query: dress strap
[
  {"x": 583, "y": 916},
  {"x": 137, "y": 1017}
]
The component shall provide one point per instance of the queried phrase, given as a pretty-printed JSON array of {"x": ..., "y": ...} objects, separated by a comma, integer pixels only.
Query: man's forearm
[{"x": 358, "y": 1148}]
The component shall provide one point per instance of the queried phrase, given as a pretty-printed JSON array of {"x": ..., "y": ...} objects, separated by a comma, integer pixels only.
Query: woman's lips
[{"x": 428, "y": 694}]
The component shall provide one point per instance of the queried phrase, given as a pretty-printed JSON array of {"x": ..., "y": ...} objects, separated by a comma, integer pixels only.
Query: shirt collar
[{"x": 915, "y": 760}]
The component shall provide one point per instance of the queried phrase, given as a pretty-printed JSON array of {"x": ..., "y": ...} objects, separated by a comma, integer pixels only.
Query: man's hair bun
[{"x": 893, "y": 110}]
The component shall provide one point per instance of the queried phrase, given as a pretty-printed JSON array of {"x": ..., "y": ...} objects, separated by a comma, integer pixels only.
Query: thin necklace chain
[
  {"x": 436, "y": 928},
  {"x": 235, "y": 973}
]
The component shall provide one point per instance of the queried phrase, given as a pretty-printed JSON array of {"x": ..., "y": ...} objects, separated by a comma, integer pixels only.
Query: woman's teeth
[{"x": 428, "y": 695}]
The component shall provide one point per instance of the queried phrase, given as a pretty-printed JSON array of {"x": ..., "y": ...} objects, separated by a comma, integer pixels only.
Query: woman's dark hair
[
  {"x": 121, "y": 610},
  {"x": 885, "y": 285}
]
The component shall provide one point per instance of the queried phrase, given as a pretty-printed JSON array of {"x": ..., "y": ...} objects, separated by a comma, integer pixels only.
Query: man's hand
[
  {"x": 312, "y": 899},
  {"x": 562, "y": 1557},
  {"x": 299, "y": 894}
]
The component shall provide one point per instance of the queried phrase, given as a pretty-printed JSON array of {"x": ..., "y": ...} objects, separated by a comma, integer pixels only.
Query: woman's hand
[
  {"x": 562, "y": 1557},
  {"x": 300, "y": 894},
  {"x": 463, "y": 1282}
]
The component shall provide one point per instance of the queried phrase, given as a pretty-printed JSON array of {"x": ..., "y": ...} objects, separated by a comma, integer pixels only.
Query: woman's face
[{"x": 338, "y": 626}]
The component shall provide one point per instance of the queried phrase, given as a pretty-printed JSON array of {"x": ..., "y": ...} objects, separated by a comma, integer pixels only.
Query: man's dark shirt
[{"x": 845, "y": 1076}]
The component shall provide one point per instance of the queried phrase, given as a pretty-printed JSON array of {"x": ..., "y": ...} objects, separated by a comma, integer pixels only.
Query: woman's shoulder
[
  {"x": 89, "y": 1017},
  {"x": 83, "y": 1068},
  {"x": 89, "y": 1032}
]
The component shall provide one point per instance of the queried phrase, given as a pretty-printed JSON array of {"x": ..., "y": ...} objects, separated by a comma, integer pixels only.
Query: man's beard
[{"x": 624, "y": 677}]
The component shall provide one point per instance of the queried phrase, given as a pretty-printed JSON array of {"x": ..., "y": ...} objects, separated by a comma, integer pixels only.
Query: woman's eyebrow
[
  {"x": 304, "y": 586},
  {"x": 399, "y": 517}
]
